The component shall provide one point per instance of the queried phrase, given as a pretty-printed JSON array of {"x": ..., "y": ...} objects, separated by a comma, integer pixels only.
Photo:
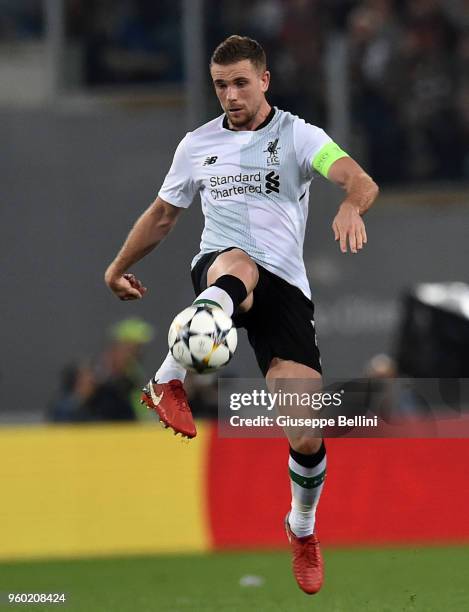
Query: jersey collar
[{"x": 266, "y": 121}]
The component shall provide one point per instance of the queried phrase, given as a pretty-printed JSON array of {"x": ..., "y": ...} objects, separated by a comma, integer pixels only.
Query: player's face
[{"x": 241, "y": 88}]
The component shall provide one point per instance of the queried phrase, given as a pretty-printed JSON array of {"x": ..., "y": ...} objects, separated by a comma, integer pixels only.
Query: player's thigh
[
  {"x": 285, "y": 369},
  {"x": 282, "y": 332},
  {"x": 235, "y": 262},
  {"x": 281, "y": 329}
]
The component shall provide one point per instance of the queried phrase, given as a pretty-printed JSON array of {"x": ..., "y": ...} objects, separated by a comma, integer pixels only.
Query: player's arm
[
  {"x": 149, "y": 230},
  {"x": 361, "y": 192}
]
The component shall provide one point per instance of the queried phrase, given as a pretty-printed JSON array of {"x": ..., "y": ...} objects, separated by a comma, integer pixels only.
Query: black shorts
[{"x": 280, "y": 322}]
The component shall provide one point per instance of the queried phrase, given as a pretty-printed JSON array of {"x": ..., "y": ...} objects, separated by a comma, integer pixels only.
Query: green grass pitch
[{"x": 357, "y": 580}]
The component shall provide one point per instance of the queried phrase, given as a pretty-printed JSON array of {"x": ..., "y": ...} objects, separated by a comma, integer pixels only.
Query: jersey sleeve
[
  {"x": 179, "y": 187},
  {"x": 315, "y": 150}
]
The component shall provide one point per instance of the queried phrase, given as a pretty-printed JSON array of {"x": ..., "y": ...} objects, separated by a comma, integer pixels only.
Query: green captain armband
[{"x": 324, "y": 159}]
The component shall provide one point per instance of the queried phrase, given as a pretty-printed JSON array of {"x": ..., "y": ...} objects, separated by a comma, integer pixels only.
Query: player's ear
[{"x": 265, "y": 81}]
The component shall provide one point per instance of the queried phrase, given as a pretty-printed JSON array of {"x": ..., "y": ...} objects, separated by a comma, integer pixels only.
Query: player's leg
[
  {"x": 307, "y": 460},
  {"x": 307, "y": 471},
  {"x": 231, "y": 276},
  {"x": 281, "y": 330},
  {"x": 307, "y": 457}
]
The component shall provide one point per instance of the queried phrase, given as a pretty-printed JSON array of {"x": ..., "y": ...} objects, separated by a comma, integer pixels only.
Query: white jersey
[{"x": 254, "y": 187}]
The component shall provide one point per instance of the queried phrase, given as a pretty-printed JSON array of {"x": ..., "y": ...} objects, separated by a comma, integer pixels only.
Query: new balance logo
[
  {"x": 272, "y": 182},
  {"x": 210, "y": 160}
]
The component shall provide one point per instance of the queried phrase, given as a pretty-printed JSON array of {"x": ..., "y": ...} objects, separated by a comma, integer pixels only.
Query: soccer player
[{"x": 252, "y": 167}]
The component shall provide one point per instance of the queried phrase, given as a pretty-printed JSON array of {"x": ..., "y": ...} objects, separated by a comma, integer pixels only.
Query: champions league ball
[{"x": 202, "y": 338}]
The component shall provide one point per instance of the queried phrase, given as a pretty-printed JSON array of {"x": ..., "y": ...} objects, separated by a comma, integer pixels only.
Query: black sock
[
  {"x": 309, "y": 461},
  {"x": 234, "y": 287},
  {"x": 227, "y": 292}
]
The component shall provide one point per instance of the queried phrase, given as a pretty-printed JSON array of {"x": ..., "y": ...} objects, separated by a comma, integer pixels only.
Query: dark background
[
  {"x": 71, "y": 185},
  {"x": 94, "y": 99}
]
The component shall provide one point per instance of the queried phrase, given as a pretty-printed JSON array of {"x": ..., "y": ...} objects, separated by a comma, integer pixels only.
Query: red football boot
[
  {"x": 308, "y": 565},
  {"x": 169, "y": 401}
]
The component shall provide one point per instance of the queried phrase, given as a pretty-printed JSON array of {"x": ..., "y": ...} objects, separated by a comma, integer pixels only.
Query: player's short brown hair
[{"x": 237, "y": 48}]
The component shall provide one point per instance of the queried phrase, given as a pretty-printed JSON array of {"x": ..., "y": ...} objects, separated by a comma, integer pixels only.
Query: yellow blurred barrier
[{"x": 101, "y": 490}]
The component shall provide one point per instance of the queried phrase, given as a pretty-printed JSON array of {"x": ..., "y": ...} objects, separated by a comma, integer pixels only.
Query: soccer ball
[{"x": 202, "y": 338}]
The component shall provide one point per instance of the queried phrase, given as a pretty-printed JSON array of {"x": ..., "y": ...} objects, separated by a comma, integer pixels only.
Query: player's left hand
[{"x": 348, "y": 225}]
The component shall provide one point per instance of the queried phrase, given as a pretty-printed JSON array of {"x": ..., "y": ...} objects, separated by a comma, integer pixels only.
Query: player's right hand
[{"x": 126, "y": 287}]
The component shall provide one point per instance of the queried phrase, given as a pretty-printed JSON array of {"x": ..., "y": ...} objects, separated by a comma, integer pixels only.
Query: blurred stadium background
[{"x": 94, "y": 96}]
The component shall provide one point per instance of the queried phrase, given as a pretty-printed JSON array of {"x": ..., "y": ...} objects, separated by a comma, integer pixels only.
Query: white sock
[
  {"x": 306, "y": 486},
  {"x": 170, "y": 369},
  {"x": 215, "y": 296}
]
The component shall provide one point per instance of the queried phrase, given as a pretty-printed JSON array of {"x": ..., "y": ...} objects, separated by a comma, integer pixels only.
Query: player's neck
[{"x": 256, "y": 121}]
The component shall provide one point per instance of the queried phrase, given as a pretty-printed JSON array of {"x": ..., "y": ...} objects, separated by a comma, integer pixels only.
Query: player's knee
[
  {"x": 250, "y": 273},
  {"x": 247, "y": 303},
  {"x": 306, "y": 444},
  {"x": 237, "y": 263},
  {"x": 241, "y": 265}
]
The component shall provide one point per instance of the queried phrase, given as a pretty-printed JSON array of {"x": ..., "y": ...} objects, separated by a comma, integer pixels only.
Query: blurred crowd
[
  {"x": 408, "y": 65},
  {"x": 410, "y": 81},
  {"x": 108, "y": 387},
  {"x": 128, "y": 41},
  {"x": 408, "y": 74},
  {"x": 21, "y": 20},
  {"x": 122, "y": 41}
]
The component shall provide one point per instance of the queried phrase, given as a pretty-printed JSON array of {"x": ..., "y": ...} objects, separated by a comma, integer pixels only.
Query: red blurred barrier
[{"x": 377, "y": 492}]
